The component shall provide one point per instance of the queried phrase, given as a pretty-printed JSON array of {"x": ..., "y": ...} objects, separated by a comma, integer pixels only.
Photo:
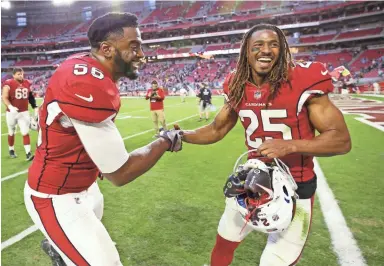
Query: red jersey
[
  {"x": 80, "y": 89},
  {"x": 287, "y": 114},
  {"x": 156, "y": 104},
  {"x": 19, "y": 93}
]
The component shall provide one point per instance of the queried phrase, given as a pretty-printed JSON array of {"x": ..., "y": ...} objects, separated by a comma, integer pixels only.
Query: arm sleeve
[
  {"x": 321, "y": 81},
  {"x": 87, "y": 103},
  {"x": 320, "y": 84},
  {"x": 148, "y": 95},
  {"x": 32, "y": 100},
  {"x": 103, "y": 143},
  {"x": 6, "y": 83}
]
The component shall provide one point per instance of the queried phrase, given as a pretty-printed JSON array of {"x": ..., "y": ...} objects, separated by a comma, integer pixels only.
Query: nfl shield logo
[{"x": 257, "y": 95}]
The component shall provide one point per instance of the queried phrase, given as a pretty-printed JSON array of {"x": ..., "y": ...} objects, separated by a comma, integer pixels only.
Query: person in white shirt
[{"x": 183, "y": 94}]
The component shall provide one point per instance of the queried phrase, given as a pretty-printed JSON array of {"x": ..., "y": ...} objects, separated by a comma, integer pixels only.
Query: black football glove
[{"x": 234, "y": 185}]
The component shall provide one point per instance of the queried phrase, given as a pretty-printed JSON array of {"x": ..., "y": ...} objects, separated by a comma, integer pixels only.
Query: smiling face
[
  {"x": 128, "y": 54},
  {"x": 263, "y": 52}
]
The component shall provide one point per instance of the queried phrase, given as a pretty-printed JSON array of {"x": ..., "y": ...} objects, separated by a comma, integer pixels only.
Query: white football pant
[
  {"x": 282, "y": 249},
  {"x": 71, "y": 223},
  {"x": 22, "y": 119}
]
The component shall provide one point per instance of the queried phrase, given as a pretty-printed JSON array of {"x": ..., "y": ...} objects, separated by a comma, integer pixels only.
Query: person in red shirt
[
  {"x": 280, "y": 103},
  {"x": 16, "y": 95},
  {"x": 156, "y": 96},
  {"x": 78, "y": 140}
]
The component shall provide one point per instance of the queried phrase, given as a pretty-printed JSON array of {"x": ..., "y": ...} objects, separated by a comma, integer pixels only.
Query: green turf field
[
  {"x": 369, "y": 97},
  {"x": 169, "y": 216}
]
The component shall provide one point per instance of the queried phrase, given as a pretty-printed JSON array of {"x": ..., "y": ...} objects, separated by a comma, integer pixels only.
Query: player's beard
[{"x": 125, "y": 68}]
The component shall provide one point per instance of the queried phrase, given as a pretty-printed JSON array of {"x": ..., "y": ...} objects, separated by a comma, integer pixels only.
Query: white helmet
[{"x": 274, "y": 210}]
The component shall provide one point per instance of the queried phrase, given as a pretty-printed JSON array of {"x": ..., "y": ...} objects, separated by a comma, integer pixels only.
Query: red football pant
[{"x": 223, "y": 251}]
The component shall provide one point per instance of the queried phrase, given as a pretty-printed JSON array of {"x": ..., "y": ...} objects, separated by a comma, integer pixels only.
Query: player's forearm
[
  {"x": 204, "y": 135},
  {"x": 6, "y": 101},
  {"x": 328, "y": 143},
  {"x": 139, "y": 162}
]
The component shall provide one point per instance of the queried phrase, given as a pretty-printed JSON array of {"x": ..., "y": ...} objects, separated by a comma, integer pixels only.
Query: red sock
[
  {"x": 26, "y": 140},
  {"x": 11, "y": 140},
  {"x": 222, "y": 253}
]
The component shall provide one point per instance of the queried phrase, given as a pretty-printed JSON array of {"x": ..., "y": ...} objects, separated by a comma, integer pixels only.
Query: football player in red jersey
[
  {"x": 16, "y": 95},
  {"x": 280, "y": 104},
  {"x": 78, "y": 139}
]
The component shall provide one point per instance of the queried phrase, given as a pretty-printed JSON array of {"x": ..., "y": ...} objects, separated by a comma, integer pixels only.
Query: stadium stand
[{"x": 329, "y": 39}]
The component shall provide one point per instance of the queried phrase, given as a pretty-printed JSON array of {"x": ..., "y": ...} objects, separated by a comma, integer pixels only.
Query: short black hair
[
  {"x": 110, "y": 23},
  {"x": 17, "y": 69},
  {"x": 155, "y": 82}
]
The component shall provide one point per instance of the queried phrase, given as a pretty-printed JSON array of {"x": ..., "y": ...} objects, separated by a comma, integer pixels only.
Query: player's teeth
[{"x": 264, "y": 60}]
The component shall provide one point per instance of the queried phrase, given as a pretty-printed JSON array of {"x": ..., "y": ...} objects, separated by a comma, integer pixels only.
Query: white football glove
[
  {"x": 34, "y": 124},
  {"x": 174, "y": 137},
  {"x": 13, "y": 109}
]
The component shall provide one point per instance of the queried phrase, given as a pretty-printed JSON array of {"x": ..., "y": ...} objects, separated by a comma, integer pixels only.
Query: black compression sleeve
[{"x": 32, "y": 100}]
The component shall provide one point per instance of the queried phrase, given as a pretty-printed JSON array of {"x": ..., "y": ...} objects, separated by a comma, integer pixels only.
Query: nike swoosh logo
[
  {"x": 324, "y": 73},
  {"x": 89, "y": 99}
]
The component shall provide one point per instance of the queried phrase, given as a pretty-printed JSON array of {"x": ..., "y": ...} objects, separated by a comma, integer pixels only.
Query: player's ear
[{"x": 106, "y": 49}]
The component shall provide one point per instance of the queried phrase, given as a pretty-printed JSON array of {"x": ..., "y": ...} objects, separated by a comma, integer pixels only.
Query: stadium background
[{"x": 169, "y": 216}]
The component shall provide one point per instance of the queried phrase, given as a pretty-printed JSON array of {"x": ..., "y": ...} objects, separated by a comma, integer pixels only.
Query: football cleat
[
  {"x": 29, "y": 156},
  {"x": 52, "y": 253},
  {"x": 12, "y": 154}
]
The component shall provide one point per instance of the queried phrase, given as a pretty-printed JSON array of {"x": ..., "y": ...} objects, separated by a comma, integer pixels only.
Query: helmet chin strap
[{"x": 240, "y": 157}]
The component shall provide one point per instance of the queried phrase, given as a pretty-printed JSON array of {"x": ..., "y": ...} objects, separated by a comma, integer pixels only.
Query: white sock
[
  {"x": 11, "y": 148},
  {"x": 27, "y": 148}
]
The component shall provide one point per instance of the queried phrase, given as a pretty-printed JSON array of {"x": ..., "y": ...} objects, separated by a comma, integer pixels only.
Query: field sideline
[{"x": 169, "y": 215}]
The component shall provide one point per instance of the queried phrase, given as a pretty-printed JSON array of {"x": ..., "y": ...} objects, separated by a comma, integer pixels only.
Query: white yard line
[
  {"x": 14, "y": 175},
  {"x": 151, "y": 130},
  {"x": 32, "y": 229},
  {"x": 127, "y": 137},
  {"x": 344, "y": 244},
  {"x": 376, "y": 125},
  {"x": 18, "y": 237},
  {"x": 146, "y": 109},
  {"x": 364, "y": 119}
]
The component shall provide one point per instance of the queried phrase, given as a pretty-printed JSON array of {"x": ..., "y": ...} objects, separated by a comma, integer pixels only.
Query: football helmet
[{"x": 268, "y": 202}]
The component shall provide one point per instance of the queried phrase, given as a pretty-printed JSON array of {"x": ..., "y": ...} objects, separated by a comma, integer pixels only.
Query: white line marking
[
  {"x": 151, "y": 130},
  {"x": 363, "y": 119},
  {"x": 128, "y": 137},
  {"x": 133, "y": 117},
  {"x": 14, "y": 175},
  {"x": 33, "y": 228},
  {"x": 370, "y": 123},
  {"x": 18, "y": 237},
  {"x": 146, "y": 109},
  {"x": 343, "y": 241}
]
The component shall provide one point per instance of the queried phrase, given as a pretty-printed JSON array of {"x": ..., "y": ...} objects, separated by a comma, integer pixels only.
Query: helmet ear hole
[{"x": 285, "y": 191}]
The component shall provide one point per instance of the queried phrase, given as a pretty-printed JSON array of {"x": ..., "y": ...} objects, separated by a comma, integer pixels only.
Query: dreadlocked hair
[{"x": 277, "y": 76}]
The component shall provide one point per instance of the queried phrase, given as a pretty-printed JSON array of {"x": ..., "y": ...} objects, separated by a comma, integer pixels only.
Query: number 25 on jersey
[{"x": 266, "y": 115}]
